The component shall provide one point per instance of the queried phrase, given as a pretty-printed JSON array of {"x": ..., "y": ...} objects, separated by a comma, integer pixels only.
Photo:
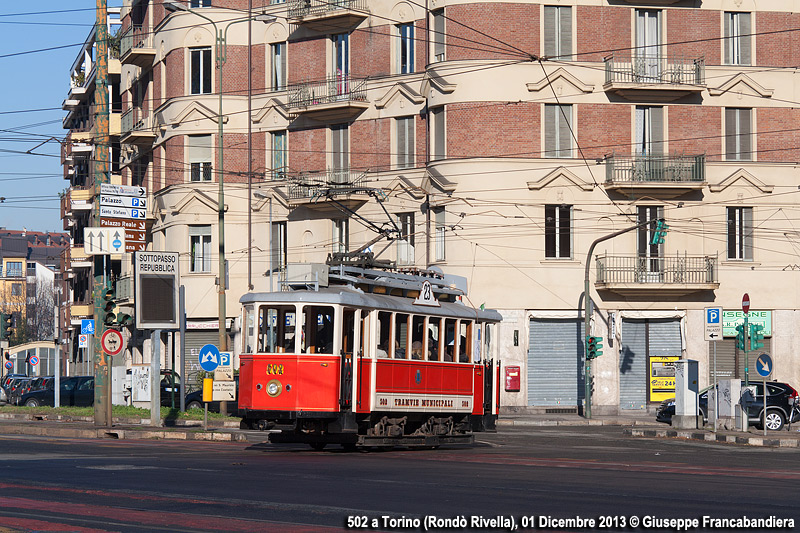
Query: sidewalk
[{"x": 636, "y": 425}]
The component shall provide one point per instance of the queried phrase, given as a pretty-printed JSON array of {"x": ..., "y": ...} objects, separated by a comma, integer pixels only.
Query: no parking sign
[{"x": 34, "y": 360}]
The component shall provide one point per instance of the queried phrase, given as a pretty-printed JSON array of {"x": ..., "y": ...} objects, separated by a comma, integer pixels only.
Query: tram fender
[{"x": 344, "y": 423}]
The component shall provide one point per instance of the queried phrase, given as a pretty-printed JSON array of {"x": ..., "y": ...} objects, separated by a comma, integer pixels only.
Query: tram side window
[
  {"x": 318, "y": 329},
  {"x": 276, "y": 329},
  {"x": 434, "y": 336},
  {"x": 449, "y": 339},
  {"x": 250, "y": 329},
  {"x": 488, "y": 339},
  {"x": 465, "y": 341},
  {"x": 400, "y": 336},
  {"x": 417, "y": 336},
  {"x": 384, "y": 334}
]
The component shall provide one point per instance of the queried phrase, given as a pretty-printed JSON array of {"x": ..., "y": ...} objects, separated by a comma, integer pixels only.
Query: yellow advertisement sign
[{"x": 662, "y": 377}]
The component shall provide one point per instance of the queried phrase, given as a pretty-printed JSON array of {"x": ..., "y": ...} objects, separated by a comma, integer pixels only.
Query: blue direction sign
[
  {"x": 764, "y": 365},
  {"x": 209, "y": 357},
  {"x": 87, "y": 326}
]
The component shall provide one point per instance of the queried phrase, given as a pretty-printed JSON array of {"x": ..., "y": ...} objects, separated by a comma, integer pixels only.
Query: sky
[{"x": 35, "y": 84}]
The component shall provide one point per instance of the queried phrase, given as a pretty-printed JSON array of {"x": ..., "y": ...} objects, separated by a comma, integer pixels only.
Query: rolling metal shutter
[
  {"x": 633, "y": 365},
  {"x": 730, "y": 360},
  {"x": 555, "y": 362},
  {"x": 194, "y": 341}
]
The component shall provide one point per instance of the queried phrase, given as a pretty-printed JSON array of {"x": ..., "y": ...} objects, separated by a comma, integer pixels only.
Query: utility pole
[{"x": 100, "y": 361}]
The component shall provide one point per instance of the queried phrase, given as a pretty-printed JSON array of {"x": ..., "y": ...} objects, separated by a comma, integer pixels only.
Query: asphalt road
[{"x": 588, "y": 472}]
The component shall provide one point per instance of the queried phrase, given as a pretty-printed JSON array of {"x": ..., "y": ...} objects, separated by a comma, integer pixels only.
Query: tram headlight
[{"x": 274, "y": 388}]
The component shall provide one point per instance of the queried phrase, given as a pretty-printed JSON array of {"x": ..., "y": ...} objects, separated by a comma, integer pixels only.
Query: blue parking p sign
[{"x": 713, "y": 316}]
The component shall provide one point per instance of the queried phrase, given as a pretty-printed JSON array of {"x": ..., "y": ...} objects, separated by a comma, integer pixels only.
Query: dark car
[
  {"x": 194, "y": 400},
  {"x": 75, "y": 391},
  {"x": 17, "y": 388},
  {"x": 780, "y": 398},
  {"x": 8, "y": 378}
]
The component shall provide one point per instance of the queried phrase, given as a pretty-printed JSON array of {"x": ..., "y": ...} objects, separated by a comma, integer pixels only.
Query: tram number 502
[{"x": 274, "y": 369}]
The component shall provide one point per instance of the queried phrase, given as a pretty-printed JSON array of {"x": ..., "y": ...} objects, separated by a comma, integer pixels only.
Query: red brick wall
[
  {"x": 695, "y": 130},
  {"x": 603, "y": 128},
  {"x": 307, "y": 149},
  {"x": 693, "y": 24},
  {"x": 174, "y": 63},
  {"x": 156, "y": 73},
  {"x": 421, "y": 130},
  {"x": 783, "y": 144},
  {"x": 485, "y": 129},
  {"x": 777, "y": 49},
  {"x": 235, "y": 163},
  {"x": 174, "y": 164},
  {"x": 421, "y": 51},
  {"x": 602, "y": 29},
  {"x": 515, "y": 24},
  {"x": 370, "y": 52},
  {"x": 307, "y": 60},
  {"x": 370, "y": 144},
  {"x": 261, "y": 157}
]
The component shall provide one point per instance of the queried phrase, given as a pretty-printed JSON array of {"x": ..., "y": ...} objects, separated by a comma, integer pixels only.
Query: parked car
[
  {"x": 194, "y": 400},
  {"x": 17, "y": 388},
  {"x": 8, "y": 378},
  {"x": 75, "y": 391},
  {"x": 779, "y": 406}
]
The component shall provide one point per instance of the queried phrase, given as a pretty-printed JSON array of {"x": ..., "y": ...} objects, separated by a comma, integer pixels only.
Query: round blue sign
[
  {"x": 9, "y": 365},
  {"x": 34, "y": 360},
  {"x": 764, "y": 365},
  {"x": 209, "y": 357}
]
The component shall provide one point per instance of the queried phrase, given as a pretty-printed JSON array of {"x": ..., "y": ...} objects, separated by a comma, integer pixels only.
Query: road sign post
[
  {"x": 713, "y": 331},
  {"x": 746, "y": 310},
  {"x": 764, "y": 369}
]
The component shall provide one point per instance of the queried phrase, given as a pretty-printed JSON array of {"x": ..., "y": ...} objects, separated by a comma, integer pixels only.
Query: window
[
  {"x": 438, "y": 35},
  {"x": 405, "y": 142},
  {"x": 16, "y": 289},
  {"x": 649, "y": 130},
  {"x": 277, "y": 259},
  {"x": 737, "y": 39},
  {"x": 557, "y": 132},
  {"x": 278, "y": 154},
  {"x": 558, "y": 231},
  {"x": 405, "y": 49},
  {"x": 201, "y": 70},
  {"x": 341, "y": 235},
  {"x": 200, "y": 246},
  {"x": 273, "y": 2},
  {"x": 558, "y": 31},
  {"x": 139, "y": 169},
  {"x": 340, "y": 153},
  {"x": 14, "y": 269},
  {"x": 200, "y": 3},
  {"x": 648, "y": 45},
  {"x": 199, "y": 151},
  {"x": 738, "y": 130},
  {"x": 437, "y": 121},
  {"x": 341, "y": 56},
  {"x": 650, "y": 255},
  {"x": 740, "y": 233},
  {"x": 278, "y": 66},
  {"x": 439, "y": 235},
  {"x": 405, "y": 244}
]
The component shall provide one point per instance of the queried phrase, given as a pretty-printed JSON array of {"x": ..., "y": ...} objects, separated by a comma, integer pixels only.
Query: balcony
[
  {"x": 333, "y": 184},
  {"x": 679, "y": 274},
  {"x": 136, "y": 127},
  {"x": 136, "y": 47},
  {"x": 78, "y": 258},
  {"x": 328, "y": 16},
  {"x": 653, "y": 76},
  {"x": 79, "y": 311},
  {"x": 670, "y": 175},
  {"x": 76, "y": 199},
  {"x": 73, "y": 147},
  {"x": 338, "y": 97}
]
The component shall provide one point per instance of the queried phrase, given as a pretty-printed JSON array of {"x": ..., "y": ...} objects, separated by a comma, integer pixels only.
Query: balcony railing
[
  {"x": 669, "y": 270},
  {"x": 136, "y": 37},
  {"x": 653, "y": 169},
  {"x": 136, "y": 126},
  {"x": 654, "y": 69},
  {"x": 333, "y": 181},
  {"x": 305, "y": 8},
  {"x": 337, "y": 88}
]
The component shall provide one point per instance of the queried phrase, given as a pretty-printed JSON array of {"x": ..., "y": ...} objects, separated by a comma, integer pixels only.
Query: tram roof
[{"x": 343, "y": 295}]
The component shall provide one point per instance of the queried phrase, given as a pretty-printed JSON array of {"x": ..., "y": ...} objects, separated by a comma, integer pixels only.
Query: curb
[
  {"x": 707, "y": 436},
  {"x": 121, "y": 433},
  {"x": 573, "y": 423}
]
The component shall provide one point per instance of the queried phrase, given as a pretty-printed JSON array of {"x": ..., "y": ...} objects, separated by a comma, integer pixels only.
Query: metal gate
[
  {"x": 642, "y": 339},
  {"x": 194, "y": 341},
  {"x": 555, "y": 362},
  {"x": 730, "y": 360}
]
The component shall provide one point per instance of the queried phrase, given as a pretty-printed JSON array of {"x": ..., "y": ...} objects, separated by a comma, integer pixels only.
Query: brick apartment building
[{"x": 502, "y": 138}]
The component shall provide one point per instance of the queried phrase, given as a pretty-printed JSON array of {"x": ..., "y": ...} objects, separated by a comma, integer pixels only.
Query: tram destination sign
[{"x": 157, "y": 279}]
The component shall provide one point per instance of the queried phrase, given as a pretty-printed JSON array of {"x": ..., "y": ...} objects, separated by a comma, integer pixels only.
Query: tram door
[{"x": 352, "y": 331}]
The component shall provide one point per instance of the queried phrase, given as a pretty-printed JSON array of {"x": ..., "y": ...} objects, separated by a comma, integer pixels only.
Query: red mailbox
[{"x": 512, "y": 379}]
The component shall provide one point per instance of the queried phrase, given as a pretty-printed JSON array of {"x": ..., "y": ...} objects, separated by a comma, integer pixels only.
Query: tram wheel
[{"x": 318, "y": 446}]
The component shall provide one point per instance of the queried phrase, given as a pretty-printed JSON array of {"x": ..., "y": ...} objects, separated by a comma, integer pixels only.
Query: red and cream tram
[{"x": 369, "y": 358}]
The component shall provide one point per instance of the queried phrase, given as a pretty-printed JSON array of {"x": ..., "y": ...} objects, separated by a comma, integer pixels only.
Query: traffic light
[
  {"x": 756, "y": 336},
  {"x": 124, "y": 319},
  {"x": 593, "y": 347},
  {"x": 6, "y": 327},
  {"x": 659, "y": 233},
  {"x": 740, "y": 336},
  {"x": 109, "y": 295}
]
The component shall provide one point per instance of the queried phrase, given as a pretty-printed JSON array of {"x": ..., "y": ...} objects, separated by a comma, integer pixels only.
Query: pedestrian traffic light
[
  {"x": 740, "y": 336},
  {"x": 109, "y": 295},
  {"x": 593, "y": 347},
  {"x": 659, "y": 233},
  {"x": 6, "y": 327},
  {"x": 756, "y": 336}
]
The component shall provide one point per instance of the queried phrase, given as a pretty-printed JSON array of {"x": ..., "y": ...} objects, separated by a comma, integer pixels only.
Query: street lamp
[{"x": 220, "y": 56}]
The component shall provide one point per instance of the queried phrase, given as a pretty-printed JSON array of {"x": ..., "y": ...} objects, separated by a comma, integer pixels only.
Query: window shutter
[
  {"x": 564, "y": 225},
  {"x": 747, "y": 233},
  {"x": 550, "y": 16},
  {"x": 207, "y": 71},
  {"x": 549, "y": 231},
  {"x": 550, "y": 130},
  {"x": 564, "y": 132},
  {"x": 439, "y": 133},
  {"x": 727, "y": 43},
  {"x": 745, "y": 135},
  {"x": 744, "y": 38},
  {"x": 402, "y": 151},
  {"x": 730, "y": 134},
  {"x": 195, "y": 71},
  {"x": 565, "y": 45},
  {"x": 438, "y": 35},
  {"x": 657, "y": 130},
  {"x": 732, "y": 227}
]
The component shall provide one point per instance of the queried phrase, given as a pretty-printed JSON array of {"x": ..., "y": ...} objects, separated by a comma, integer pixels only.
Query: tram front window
[
  {"x": 318, "y": 332},
  {"x": 276, "y": 329}
]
